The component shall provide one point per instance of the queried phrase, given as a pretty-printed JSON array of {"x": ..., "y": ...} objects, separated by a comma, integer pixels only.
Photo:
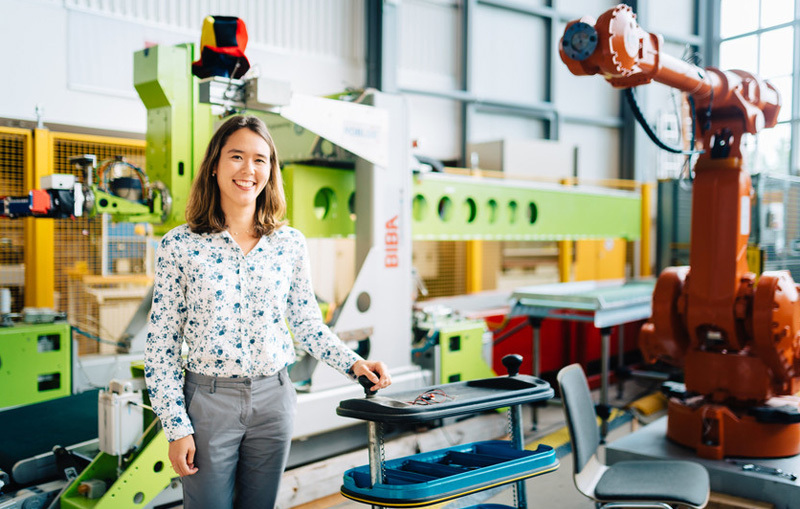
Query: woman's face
[{"x": 243, "y": 170}]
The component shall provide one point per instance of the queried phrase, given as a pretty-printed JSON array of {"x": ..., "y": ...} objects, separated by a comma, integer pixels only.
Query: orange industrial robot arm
[
  {"x": 616, "y": 47},
  {"x": 738, "y": 340}
]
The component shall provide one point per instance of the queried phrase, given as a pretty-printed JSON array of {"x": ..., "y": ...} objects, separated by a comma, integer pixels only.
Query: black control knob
[
  {"x": 367, "y": 384},
  {"x": 512, "y": 362}
]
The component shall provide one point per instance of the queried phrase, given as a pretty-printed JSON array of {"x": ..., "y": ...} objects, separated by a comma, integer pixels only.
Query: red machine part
[
  {"x": 737, "y": 340},
  {"x": 561, "y": 343},
  {"x": 40, "y": 202},
  {"x": 515, "y": 335}
]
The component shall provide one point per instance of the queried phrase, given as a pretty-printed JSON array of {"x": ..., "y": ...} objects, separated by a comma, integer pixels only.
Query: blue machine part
[
  {"x": 579, "y": 41},
  {"x": 441, "y": 475},
  {"x": 17, "y": 206}
]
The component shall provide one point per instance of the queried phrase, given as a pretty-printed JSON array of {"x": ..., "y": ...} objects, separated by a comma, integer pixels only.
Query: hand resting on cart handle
[{"x": 375, "y": 372}]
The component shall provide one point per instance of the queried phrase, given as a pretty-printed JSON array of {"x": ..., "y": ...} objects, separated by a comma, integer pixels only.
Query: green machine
[
  {"x": 35, "y": 363},
  {"x": 132, "y": 467},
  {"x": 178, "y": 125},
  {"x": 453, "y": 349}
]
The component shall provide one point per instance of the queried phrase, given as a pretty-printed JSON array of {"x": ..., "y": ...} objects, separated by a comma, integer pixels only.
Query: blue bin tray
[
  {"x": 461, "y": 398},
  {"x": 442, "y": 475}
]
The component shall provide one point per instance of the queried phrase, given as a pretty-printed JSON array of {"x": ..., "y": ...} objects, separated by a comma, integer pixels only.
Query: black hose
[{"x": 637, "y": 113}]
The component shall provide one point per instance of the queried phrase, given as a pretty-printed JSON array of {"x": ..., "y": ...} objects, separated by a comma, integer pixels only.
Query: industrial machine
[
  {"x": 452, "y": 347},
  {"x": 363, "y": 137},
  {"x": 131, "y": 467},
  {"x": 736, "y": 335},
  {"x": 35, "y": 360},
  {"x": 120, "y": 189}
]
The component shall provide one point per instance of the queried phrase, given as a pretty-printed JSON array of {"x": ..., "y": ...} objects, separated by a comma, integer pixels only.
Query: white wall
[
  {"x": 36, "y": 65},
  {"x": 434, "y": 126},
  {"x": 75, "y": 57},
  {"x": 429, "y": 58},
  {"x": 675, "y": 17},
  {"x": 491, "y": 127},
  {"x": 598, "y": 150},
  {"x": 510, "y": 56},
  {"x": 512, "y": 52}
]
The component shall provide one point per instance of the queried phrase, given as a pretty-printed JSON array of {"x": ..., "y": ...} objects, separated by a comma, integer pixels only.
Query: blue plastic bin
[{"x": 441, "y": 475}]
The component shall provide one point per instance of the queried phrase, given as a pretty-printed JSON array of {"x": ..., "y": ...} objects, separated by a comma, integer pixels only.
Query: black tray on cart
[{"x": 461, "y": 398}]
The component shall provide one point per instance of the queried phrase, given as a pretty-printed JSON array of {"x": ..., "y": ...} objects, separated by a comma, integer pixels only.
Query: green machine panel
[
  {"x": 146, "y": 475},
  {"x": 35, "y": 363},
  {"x": 178, "y": 126},
  {"x": 320, "y": 200},
  {"x": 456, "y": 353}
]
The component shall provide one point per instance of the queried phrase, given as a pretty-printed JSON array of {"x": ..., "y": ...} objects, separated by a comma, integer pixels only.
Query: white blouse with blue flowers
[{"x": 231, "y": 309}]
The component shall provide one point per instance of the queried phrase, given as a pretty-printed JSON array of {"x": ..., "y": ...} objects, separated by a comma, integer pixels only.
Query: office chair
[{"x": 659, "y": 484}]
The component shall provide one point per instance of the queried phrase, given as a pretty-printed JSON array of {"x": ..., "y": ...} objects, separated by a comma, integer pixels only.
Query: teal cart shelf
[{"x": 442, "y": 475}]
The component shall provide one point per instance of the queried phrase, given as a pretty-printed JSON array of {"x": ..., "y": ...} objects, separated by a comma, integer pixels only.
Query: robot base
[{"x": 716, "y": 431}]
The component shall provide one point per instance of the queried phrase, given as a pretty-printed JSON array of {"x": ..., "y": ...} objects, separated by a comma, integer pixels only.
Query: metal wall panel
[
  {"x": 318, "y": 27},
  {"x": 598, "y": 150},
  {"x": 511, "y": 56},
  {"x": 432, "y": 124},
  {"x": 495, "y": 126},
  {"x": 429, "y": 50},
  {"x": 676, "y": 17},
  {"x": 585, "y": 7}
]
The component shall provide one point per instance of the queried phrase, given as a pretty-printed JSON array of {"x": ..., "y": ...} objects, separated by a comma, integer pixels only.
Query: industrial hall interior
[{"x": 332, "y": 254}]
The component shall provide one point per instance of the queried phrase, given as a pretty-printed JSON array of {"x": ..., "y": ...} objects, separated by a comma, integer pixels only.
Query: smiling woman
[
  {"x": 230, "y": 283},
  {"x": 242, "y": 173},
  {"x": 241, "y": 151}
]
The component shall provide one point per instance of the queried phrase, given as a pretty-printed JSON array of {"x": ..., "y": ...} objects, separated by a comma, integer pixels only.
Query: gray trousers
[{"x": 242, "y": 432}]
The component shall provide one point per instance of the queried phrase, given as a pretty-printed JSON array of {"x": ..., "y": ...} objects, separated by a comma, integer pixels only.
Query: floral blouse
[{"x": 231, "y": 309}]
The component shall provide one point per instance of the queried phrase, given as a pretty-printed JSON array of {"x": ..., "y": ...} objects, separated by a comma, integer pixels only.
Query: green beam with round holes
[
  {"x": 451, "y": 207},
  {"x": 320, "y": 200}
]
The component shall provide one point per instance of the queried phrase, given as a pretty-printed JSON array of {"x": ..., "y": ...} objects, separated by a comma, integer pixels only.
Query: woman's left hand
[{"x": 376, "y": 371}]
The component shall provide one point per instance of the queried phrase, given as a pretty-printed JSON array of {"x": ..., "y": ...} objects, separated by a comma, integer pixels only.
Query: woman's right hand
[{"x": 181, "y": 455}]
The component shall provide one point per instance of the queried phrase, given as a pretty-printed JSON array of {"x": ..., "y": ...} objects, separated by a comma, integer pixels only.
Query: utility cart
[{"x": 445, "y": 474}]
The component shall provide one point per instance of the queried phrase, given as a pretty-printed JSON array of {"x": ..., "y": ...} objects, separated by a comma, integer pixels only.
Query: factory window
[{"x": 758, "y": 36}]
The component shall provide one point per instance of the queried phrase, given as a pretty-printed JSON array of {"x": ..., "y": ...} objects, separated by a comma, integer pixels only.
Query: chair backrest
[{"x": 580, "y": 414}]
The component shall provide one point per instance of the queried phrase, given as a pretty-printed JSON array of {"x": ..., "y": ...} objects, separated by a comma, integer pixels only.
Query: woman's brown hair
[{"x": 203, "y": 210}]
